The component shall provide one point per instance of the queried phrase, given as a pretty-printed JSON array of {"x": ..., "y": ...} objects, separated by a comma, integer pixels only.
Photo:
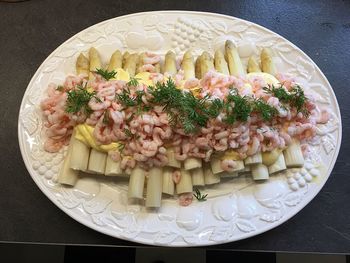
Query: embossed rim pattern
[{"x": 305, "y": 198}]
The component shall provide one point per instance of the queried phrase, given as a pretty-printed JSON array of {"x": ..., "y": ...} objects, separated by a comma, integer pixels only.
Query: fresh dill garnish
[
  {"x": 78, "y": 99},
  {"x": 60, "y": 88},
  {"x": 299, "y": 100},
  {"x": 121, "y": 147},
  {"x": 128, "y": 133},
  {"x": 215, "y": 108},
  {"x": 199, "y": 196},
  {"x": 267, "y": 111},
  {"x": 295, "y": 97},
  {"x": 181, "y": 107},
  {"x": 107, "y": 75},
  {"x": 125, "y": 98},
  {"x": 238, "y": 108},
  {"x": 133, "y": 82}
]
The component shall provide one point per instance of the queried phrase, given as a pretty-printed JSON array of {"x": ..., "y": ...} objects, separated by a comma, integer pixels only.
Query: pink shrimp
[
  {"x": 202, "y": 142},
  {"x": 127, "y": 162},
  {"x": 176, "y": 176},
  {"x": 108, "y": 93},
  {"x": 148, "y": 68},
  {"x": 191, "y": 83},
  {"x": 52, "y": 145},
  {"x": 228, "y": 165},
  {"x": 140, "y": 158},
  {"x": 160, "y": 160},
  {"x": 254, "y": 146},
  {"x": 117, "y": 116},
  {"x": 99, "y": 105},
  {"x": 56, "y": 131},
  {"x": 149, "y": 148},
  {"x": 221, "y": 135},
  {"x": 222, "y": 145},
  {"x": 185, "y": 199}
]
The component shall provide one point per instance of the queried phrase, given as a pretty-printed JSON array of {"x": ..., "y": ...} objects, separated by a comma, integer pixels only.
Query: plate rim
[{"x": 89, "y": 224}]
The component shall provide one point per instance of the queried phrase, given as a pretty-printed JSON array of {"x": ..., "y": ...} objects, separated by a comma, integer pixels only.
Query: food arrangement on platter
[{"x": 173, "y": 124}]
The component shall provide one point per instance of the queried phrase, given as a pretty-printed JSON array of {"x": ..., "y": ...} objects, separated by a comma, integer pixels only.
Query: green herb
[
  {"x": 125, "y": 98},
  {"x": 107, "y": 75},
  {"x": 128, "y": 133},
  {"x": 295, "y": 97},
  {"x": 121, "y": 147},
  {"x": 200, "y": 197},
  {"x": 267, "y": 111},
  {"x": 215, "y": 108},
  {"x": 60, "y": 88},
  {"x": 299, "y": 100},
  {"x": 238, "y": 108},
  {"x": 78, "y": 99},
  {"x": 181, "y": 107},
  {"x": 133, "y": 82}
]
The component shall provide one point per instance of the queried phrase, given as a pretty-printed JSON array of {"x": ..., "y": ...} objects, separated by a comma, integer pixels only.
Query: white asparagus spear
[
  {"x": 197, "y": 177},
  {"x": 293, "y": 155},
  {"x": 154, "y": 187},
  {"x": 197, "y": 68},
  {"x": 67, "y": 175},
  {"x": 131, "y": 61},
  {"x": 268, "y": 158},
  {"x": 80, "y": 155},
  {"x": 185, "y": 184},
  {"x": 209, "y": 176},
  {"x": 233, "y": 60},
  {"x": 95, "y": 62},
  {"x": 267, "y": 62},
  {"x": 253, "y": 65},
  {"x": 188, "y": 65},
  {"x": 168, "y": 182},
  {"x": 97, "y": 162},
  {"x": 215, "y": 163},
  {"x": 254, "y": 159},
  {"x": 259, "y": 171},
  {"x": 192, "y": 163},
  {"x": 207, "y": 63},
  {"x": 113, "y": 168},
  {"x": 172, "y": 161},
  {"x": 82, "y": 65},
  {"x": 278, "y": 166},
  {"x": 136, "y": 183},
  {"x": 220, "y": 63},
  {"x": 170, "y": 63},
  {"x": 116, "y": 61}
]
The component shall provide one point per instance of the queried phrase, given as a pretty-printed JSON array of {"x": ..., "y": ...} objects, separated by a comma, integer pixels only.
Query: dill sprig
[
  {"x": 238, "y": 108},
  {"x": 295, "y": 97},
  {"x": 133, "y": 82},
  {"x": 78, "y": 99},
  {"x": 181, "y": 107},
  {"x": 267, "y": 111},
  {"x": 107, "y": 75},
  {"x": 121, "y": 147},
  {"x": 199, "y": 196}
]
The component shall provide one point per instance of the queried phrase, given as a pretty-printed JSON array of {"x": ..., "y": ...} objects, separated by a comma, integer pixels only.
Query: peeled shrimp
[{"x": 185, "y": 199}]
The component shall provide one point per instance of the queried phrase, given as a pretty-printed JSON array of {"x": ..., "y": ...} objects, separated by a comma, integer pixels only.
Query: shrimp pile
[
  {"x": 146, "y": 136},
  {"x": 59, "y": 124}
]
